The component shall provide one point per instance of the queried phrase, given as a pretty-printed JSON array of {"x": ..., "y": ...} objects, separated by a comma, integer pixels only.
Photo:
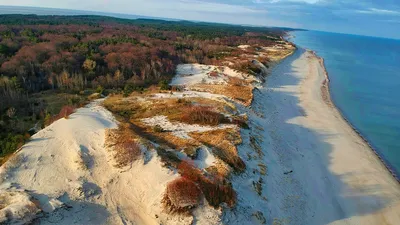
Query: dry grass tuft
[
  {"x": 123, "y": 142},
  {"x": 255, "y": 145},
  {"x": 202, "y": 115},
  {"x": 263, "y": 168},
  {"x": 257, "y": 185},
  {"x": 223, "y": 143},
  {"x": 181, "y": 196}
]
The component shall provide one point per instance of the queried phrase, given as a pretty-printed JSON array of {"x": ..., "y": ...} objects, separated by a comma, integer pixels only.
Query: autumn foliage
[
  {"x": 215, "y": 190},
  {"x": 72, "y": 53},
  {"x": 65, "y": 112},
  {"x": 181, "y": 195}
]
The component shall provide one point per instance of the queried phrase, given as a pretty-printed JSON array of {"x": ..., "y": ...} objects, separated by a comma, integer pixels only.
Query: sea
[{"x": 364, "y": 75}]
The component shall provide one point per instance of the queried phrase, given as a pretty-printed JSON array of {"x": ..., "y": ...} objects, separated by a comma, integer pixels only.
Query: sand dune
[{"x": 304, "y": 165}]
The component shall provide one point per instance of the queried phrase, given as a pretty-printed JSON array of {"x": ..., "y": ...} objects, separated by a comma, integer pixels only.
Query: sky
[{"x": 364, "y": 17}]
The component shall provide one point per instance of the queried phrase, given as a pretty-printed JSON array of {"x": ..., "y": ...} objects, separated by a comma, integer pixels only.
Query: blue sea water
[{"x": 365, "y": 85}]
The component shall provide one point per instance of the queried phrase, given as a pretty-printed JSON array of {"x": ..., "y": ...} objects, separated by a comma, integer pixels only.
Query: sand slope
[
  {"x": 319, "y": 170},
  {"x": 66, "y": 168}
]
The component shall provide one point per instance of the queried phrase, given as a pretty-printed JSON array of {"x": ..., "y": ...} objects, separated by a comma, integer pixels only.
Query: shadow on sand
[{"x": 310, "y": 193}]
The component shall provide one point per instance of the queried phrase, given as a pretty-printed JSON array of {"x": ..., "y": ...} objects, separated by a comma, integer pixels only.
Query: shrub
[
  {"x": 100, "y": 89},
  {"x": 66, "y": 111},
  {"x": 181, "y": 196},
  {"x": 157, "y": 128},
  {"x": 164, "y": 85},
  {"x": 129, "y": 88},
  {"x": 11, "y": 142},
  {"x": 202, "y": 115},
  {"x": 214, "y": 190}
]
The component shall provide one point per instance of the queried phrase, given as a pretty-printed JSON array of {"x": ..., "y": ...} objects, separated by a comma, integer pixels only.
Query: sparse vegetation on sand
[
  {"x": 216, "y": 190},
  {"x": 223, "y": 144},
  {"x": 123, "y": 144},
  {"x": 212, "y": 183}
]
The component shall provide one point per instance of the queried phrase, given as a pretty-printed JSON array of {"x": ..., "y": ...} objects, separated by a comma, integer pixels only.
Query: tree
[
  {"x": 89, "y": 65},
  {"x": 11, "y": 112},
  {"x": 118, "y": 78}
]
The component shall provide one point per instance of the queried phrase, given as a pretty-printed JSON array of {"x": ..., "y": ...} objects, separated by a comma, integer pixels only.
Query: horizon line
[{"x": 114, "y": 14}]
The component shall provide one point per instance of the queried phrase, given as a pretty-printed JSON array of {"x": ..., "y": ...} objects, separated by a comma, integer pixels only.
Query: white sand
[
  {"x": 319, "y": 170},
  {"x": 65, "y": 168},
  {"x": 182, "y": 129},
  {"x": 191, "y": 74}
]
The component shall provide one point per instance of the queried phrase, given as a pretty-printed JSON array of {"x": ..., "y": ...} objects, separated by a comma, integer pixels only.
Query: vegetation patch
[
  {"x": 202, "y": 115},
  {"x": 124, "y": 145},
  {"x": 181, "y": 196},
  {"x": 216, "y": 190},
  {"x": 65, "y": 112},
  {"x": 223, "y": 143},
  {"x": 241, "y": 94}
]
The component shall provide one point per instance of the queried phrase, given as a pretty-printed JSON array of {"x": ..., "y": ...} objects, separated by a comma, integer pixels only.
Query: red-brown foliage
[
  {"x": 213, "y": 74},
  {"x": 202, "y": 115},
  {"x": 64, "y": 113},
  {"x": 214, "y": 190},
  {"x": 181, "y": 195}
]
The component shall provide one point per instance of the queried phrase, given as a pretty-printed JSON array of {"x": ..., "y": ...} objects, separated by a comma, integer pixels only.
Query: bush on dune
[
  {"x": 202, "y": 115},
  {"x": 65, "y": 112},
  {"x": 216, "y": 191},
  {"x": 181, "y": 196}
]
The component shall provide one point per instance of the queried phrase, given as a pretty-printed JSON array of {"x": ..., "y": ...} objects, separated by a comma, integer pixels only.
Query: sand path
[{"x": 319, "y": 170}]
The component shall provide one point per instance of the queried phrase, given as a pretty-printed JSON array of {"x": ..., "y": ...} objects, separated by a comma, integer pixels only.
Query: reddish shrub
[
  {"x": 215, "y": 191},
  {"x": 188, "y": 171},
  {"x": 66, "y": 111},
  {"x": 202, "y": 115},
  {"x": 181, "y": 196},
  {"x": 213, "y": 74}
]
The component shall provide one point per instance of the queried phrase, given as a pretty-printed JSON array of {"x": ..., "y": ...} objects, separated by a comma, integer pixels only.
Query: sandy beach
[{"x": 320, "y": 171}]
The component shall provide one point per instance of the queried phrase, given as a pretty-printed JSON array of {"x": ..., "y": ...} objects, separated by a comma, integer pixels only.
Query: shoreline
[
  {"x": 326, "y": 95},
  {"x": 320, "y": 171}
]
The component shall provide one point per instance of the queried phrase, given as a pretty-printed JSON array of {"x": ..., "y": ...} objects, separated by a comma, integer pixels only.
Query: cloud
[
  {"x": 379, "y": 11},
  {"x": 214, "y": 7}
]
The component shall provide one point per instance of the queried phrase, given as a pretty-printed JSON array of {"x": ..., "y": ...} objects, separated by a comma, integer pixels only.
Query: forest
[{"x": 47, "y": 62}]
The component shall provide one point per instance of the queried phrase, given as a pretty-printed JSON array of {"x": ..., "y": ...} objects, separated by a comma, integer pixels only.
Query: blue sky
[{"x": 365, "y": 17}]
